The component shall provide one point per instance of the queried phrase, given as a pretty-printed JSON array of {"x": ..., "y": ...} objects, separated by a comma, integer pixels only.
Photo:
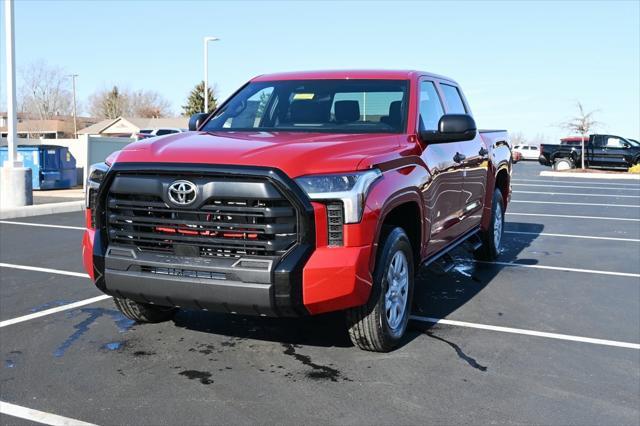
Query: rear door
[
  {"x": 442, "y": 194},
  {"x": 473, "y": 158}
]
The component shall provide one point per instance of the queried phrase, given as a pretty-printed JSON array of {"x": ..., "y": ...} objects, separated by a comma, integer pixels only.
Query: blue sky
[{"x": 522, "y": 65}]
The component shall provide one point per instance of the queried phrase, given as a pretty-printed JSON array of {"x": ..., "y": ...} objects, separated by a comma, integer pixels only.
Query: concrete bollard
[{"x": 16, "y": 189}]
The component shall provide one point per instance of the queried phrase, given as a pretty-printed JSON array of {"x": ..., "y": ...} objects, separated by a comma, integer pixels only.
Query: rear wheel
[
  {"x": 381, "y": 323},
  {"x": 143, "y": 312},
  {"x": 492, "y": 236},
  {"x": 563, "y": 164}
]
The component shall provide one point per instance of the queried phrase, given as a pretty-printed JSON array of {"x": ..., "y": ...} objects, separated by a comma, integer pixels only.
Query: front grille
[{"x": 219, "y": 227}]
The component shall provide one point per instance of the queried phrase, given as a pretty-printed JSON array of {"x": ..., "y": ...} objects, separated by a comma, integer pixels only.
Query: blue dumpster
[{"x": 52, "y": 166}]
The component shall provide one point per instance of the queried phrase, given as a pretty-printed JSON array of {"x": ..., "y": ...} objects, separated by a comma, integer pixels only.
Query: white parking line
[
  {"x": 50, "y": 271},
  {"x": 44, "y": 225},
  {"x": 573, "y": 216},
  {"x": 528, "y": 332},
  {"x": 561, "y": 268},
  {"x": 576, "y": 204},
  {"x": 635, "y": 185},
  {"x": 575, "y": 187},
  {"x": 588, "y": 237},
  {"x": 574, "y": 194},
  {"x": 39, "y": 416},
  {"x": 53, "y": 310}
]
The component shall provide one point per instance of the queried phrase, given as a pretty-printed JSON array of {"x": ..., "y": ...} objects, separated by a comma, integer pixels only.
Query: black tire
[
  {"x": 369, "y": 327},
  {"x": 143, "y": 312},
  {"x": 563, "y": 164},
  {"x": 490, "y": 249}
]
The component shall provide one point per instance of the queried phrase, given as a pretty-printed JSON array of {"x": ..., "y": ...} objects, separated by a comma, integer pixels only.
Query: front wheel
[
  {"x": 492, "y": 236},
  {"x": 380, "y": 324},
  {"x": 143, "y": 312}
]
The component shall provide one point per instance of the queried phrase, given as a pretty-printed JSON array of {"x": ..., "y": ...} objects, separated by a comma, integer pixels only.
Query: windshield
[{"x": 334, "y": 106}]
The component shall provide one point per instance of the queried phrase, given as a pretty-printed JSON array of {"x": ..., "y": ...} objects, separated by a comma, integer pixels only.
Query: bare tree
[
  {"x": 118, "y": 102},
  {"x": 149, "y": 104},
  {"x": 582, "y": 123},
  {"x": 517, "y": 138},
  {"x": 45, "y": 91}
]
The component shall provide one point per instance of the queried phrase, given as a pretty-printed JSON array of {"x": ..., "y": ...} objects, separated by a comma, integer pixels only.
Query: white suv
[{"x": 528, "y": 152}]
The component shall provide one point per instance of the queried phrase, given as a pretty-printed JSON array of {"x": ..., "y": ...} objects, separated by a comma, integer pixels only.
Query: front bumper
[{"x": 312, "y": 278}]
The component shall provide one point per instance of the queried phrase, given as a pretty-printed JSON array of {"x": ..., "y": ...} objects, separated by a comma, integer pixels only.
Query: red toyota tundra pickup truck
[{"x": 303, "y": 193}]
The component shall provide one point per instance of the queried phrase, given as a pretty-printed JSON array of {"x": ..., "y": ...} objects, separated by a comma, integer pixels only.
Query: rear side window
[
  {"x": 454, "y": 100},
  {"x": 430, "y": 107}
]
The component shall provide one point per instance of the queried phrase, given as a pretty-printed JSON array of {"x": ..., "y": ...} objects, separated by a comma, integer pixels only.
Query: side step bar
[{"x": 442, "y": 262}]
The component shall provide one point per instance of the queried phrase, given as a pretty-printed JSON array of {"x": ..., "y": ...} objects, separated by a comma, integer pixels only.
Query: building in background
[
  {"x": 59, "y": 127},
  {"x": 130, "y": 127}
]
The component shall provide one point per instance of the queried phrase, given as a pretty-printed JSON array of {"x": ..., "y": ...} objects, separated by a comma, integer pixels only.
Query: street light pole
[
  {"x": 12, "y": 119},
  {"x": 206, "y": 71},
  {"x": 75, "y": 112},
  {"x": 16, "y": 188}
]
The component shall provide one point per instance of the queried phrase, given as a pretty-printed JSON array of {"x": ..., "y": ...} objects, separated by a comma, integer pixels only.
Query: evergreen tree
[{"x": 195, "y": 101}]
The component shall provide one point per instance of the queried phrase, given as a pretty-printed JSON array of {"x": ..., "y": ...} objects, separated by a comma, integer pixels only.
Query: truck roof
[{"x": 349, "y": 74}]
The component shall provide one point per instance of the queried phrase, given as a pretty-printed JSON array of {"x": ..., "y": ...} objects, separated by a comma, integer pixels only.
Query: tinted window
[
  {"x": 165, "y": 132},
  {"x": 336, "y": 106},
  {"x": 430, "y": 106},
  {"x": 454, "y": 100},
  {"x": 146, "y": 131}
]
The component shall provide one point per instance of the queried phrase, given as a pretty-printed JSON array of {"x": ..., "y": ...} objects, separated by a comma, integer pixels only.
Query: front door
[
  {"x": 442, "y": 194},
  {"x": 474, "y": 160}
]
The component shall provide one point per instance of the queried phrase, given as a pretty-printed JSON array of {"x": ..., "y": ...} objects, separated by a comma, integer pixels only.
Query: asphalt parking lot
[{"x": 551, "y": 335}]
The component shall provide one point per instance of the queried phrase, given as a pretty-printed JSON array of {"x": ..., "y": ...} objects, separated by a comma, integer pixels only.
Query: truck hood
[{"x": 294, "y": 153}]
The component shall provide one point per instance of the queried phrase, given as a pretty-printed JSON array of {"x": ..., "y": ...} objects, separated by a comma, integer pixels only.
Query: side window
[
  {"x": 430, "y": 107},
  {"x": 613, "y": 142},
  {"x": 454, "y": 100},
  {"x": 165, "y": 132}
]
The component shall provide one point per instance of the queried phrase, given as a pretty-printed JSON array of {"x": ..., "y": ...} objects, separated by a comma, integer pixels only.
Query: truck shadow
[{"x": 436, "y": 295}]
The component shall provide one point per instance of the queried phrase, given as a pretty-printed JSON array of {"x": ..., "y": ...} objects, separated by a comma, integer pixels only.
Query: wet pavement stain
[
  {"x": 143, "y": 353},
  {"x": 203, "y": 376},
  {"x": 9, "y": 363},
  {"x": 318, "y": 372},
  {"x": 123, "y": 323},
  {"x": 469, "y": 360}
]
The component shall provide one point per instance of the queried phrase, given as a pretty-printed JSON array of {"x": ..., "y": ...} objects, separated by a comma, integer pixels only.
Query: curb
[
  {"x": 42, "y": 209},
  {"x": 591, "y": 175}
]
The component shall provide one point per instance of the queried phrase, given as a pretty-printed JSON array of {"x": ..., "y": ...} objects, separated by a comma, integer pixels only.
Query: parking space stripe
[
  {"x": 527, "y": 332},
  {"x": 577, "y": 204},
  {"x": 54, "y": 310},
  {"x": 43, "y": 225},
  {"x": 588, "y": 237},
  {"x": 561, "y": 268},
  {"x": 39, "y": 416},
  {"x": 635, "y": 185},
  {"x": 573, "y": 216},
  {"x": 37, "y": 269},
  {"x": 575, "y": 187},
  {"x": 575, "y": 194}
]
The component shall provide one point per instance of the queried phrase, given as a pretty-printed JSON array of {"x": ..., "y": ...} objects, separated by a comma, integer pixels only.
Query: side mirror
[
  {"x": 451, "y": 128},
  {"x": 196, "y": 120}
]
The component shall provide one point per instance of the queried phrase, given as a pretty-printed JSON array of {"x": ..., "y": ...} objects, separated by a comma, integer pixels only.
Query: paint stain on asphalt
[
  {"x": 203, "y": 376},
  {"x": 318, "y": 372},
  {"x": 113, "y": 346},
  {"x": 123, "y": 323},
  {"x": 469, "y": 360}
]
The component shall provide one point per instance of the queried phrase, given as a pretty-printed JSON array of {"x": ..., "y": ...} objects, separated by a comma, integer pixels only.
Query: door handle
[{"x": 459, "y": 158}]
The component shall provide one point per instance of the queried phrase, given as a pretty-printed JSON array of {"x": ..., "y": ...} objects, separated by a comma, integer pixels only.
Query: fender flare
[{"x": 404, "y": 196}]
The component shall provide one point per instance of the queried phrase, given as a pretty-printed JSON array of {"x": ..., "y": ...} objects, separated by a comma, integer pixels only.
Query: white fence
[{"x": 86, "y": 150}]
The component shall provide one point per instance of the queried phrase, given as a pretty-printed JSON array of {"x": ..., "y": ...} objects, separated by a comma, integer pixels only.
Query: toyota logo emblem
[{"x": 182, "y": 192}]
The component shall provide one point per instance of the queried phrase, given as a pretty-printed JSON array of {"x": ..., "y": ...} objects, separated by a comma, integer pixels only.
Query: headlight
[
  {"x": 97, "y": 172},
  {"x": 350, "y": 188}
]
